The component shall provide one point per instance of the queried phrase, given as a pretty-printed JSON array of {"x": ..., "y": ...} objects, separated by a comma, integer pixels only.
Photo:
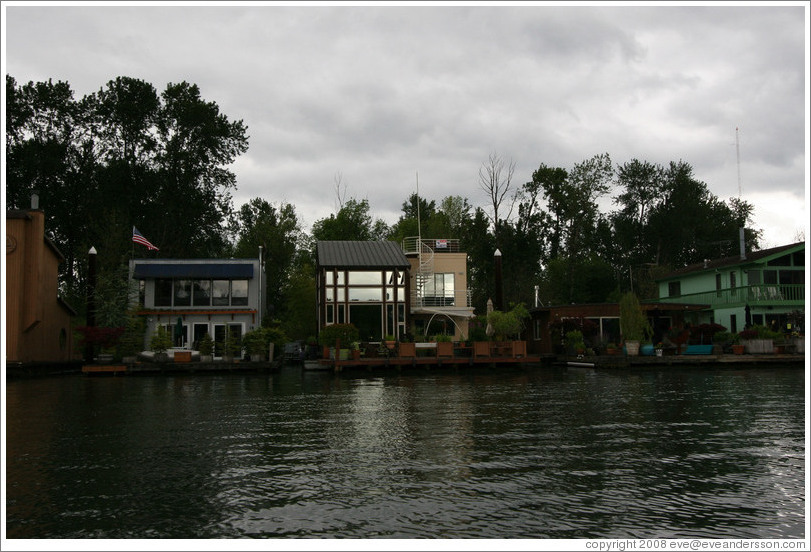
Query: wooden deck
[{"x": 428, "y": 362}]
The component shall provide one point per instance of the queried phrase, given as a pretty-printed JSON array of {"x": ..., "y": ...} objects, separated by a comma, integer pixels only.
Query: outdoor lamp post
[
  {"x": 91, "y": 300},
  {"x": 499, "y": 302}
]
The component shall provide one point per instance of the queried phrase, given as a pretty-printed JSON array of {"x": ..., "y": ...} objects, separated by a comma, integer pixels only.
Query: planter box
[
  {"x": 444, "y": 349},
  {"x": 407, "y": 350},
  {"x": 799, "y": 345},
  {"x": 481, "y": 348},
  {"x": 182, "y": 356},
  {"x": 738, "y": 349},
  {"x": 759, "y": 346},
  {"x": 698, "y": 350},
  {"x": 519, "y": 348},
  {"x": 206, "y": 358}
]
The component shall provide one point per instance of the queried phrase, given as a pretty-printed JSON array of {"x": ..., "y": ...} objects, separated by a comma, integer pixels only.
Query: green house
[{"x": 764, "y": 287}]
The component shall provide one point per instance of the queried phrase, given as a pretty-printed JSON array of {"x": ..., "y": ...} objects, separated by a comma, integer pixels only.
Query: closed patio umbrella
[
  {"x": 179, "y": 332},
  {"x": 489, "y": 330}
]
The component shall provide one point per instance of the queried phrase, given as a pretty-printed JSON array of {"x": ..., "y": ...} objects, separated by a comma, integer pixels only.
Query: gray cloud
[{"x": 381, "y": 93}]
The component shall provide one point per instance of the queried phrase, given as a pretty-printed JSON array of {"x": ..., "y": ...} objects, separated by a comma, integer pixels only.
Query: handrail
[{"x": 755, "y": 295}]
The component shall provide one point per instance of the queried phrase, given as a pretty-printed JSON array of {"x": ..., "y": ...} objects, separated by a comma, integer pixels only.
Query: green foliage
[
  {"x": 254, "y": 342},
  {"x": 122, "y": 156},
  {"x": 508, "y": 324},
  {"x": 232, "y": 345},
  {"x": 132, "y": 340},
  {"x": 575, "y": 341},
  {"x": 346, "y": 333},
  {"x": 634, "y": 325},
  {"x": 206, "y": 345},
  {"x": 161, "y": 340},
  {"x": 443, "y": 338}
]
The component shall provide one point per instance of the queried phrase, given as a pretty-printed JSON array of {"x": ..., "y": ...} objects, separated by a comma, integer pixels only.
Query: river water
[{"x": 535, "y": 453}]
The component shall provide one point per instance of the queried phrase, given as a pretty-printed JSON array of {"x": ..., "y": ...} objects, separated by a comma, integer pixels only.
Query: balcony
[
  {"x": 786, "y": 295},
  {"x": 457, "y": 298},
  {"x": 411, "y": 246}
]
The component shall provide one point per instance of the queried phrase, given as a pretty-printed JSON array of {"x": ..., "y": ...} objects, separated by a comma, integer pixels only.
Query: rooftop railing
[
  {"x": 758, "y": 295},
  {"x": 411, "y": 245}
]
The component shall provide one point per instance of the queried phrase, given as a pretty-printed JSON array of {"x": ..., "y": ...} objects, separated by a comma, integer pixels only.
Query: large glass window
[
  {"x": 364, "y": 278},
  {"x": 239, "y": 292},
  {"x": 220, "y": 293},
  {"x": 163, "y": 293},
  {"x": 201, "y": 293},
  {"x": 182, "y": 293},
  {"x": 365, "y": 294}
]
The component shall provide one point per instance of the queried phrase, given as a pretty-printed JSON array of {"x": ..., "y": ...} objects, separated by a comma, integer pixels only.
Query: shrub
[
  {"x": 346, "y": 333},
  {"x": 634, "y": 325},
  {"x": 206, "y": 345},
  {"x": 161, "y": 340},
  {"x": 574, "y": 340}
]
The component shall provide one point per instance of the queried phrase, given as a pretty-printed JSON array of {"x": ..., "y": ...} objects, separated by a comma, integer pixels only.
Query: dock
[{"x": 174, "y": 368}]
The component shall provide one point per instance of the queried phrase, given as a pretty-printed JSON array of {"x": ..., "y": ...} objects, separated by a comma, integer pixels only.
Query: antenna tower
[{"x": 738, "y": 154}]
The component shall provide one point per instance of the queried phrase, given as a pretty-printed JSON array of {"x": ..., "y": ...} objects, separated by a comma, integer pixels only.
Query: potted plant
[
  {"x": 255, "y": 343},
  {"x": 575, "y": 343},
  {"x": 390, "y": 341},
  {"x": 159, "y": 343},
  {"x": 342, "y": 335},
  {"x": 206, "y": 348},
  {"x": 634, "y": 325},
  {"x": 232, "y": 346},
  {"x": 355, "y": 348},
  {"x": 611, "y": 349},
  {"x": 738, "y": 348},
  {"x": 444, "y": 345}
]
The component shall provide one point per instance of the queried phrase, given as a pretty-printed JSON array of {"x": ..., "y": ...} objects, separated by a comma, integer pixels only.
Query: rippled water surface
[{"x": 539, "y": 453}]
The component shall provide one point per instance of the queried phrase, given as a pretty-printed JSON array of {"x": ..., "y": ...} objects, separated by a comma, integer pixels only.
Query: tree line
[{"x": 128, "y": 155}]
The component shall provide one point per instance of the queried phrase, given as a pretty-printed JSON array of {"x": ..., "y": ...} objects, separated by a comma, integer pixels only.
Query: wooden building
[
  {"x": 604, "y": 319},
  {"x": 38, "y": 323}
]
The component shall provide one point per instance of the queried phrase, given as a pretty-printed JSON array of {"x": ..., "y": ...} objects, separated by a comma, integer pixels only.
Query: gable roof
[
  {"x": 361, "y": 254},
  {"x": 735, "y": 260}
]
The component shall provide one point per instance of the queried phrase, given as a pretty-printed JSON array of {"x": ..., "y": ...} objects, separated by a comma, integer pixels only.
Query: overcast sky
[{"x": 379, "y": 94}]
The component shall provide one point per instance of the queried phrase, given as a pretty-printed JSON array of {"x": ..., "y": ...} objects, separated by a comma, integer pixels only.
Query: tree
[
  {"x": 122, "y": 157},
  {"x": 351, "y": 222},
  {"x": 495, "y": 179},
  {"x": 551, "y": 182},
  {"x": 278, "y": 232}
]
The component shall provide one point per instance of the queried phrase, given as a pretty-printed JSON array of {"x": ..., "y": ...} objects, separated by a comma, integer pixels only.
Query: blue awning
[{"x": 213, "y": 270}]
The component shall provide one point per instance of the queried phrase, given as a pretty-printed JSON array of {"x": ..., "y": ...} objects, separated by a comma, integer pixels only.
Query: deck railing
[
  {"x": 411, "y": 245},
  {"x": 759, "y": 295},
  {"x": 456, "y": 298}
]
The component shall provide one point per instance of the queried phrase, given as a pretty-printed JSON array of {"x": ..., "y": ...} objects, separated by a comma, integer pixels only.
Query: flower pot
[
  {"x": 355, "y": 354},
  {"x": 257, "y": 357},
  {"x": 659, "y": 352},
  {"x": 632, "y": 348},
  {"x": 206, "y": 358},
  {"x": 738, "y": 349},
  {"x": 161, "y": 357}
]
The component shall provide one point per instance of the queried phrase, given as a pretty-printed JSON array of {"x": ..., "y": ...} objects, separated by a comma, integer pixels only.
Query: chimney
[
  {"x": 743, "y": 244},
  {"x": 537, "y": 299},
  {"x": 34, "y": 200},
  {"x": 706, "y": 261}
]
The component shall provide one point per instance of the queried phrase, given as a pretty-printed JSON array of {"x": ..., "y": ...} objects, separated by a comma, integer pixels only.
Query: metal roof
[
  {"x": 361, "y": 254},
  {"x": 735, "y": 260},
  {"x": 197, "y": 270}
]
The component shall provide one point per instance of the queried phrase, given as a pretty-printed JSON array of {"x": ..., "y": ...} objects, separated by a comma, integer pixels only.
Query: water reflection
[{"x": 517, "y": 454}]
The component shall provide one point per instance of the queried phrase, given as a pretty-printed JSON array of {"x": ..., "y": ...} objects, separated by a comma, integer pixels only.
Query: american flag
[{"x": 138, "y": 238}]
